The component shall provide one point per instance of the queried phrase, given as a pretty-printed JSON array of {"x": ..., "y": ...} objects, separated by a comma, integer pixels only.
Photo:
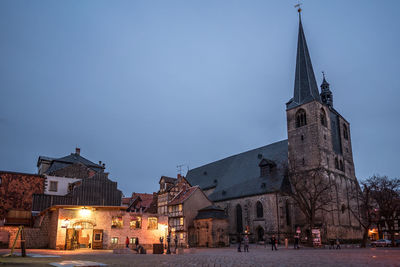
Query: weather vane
[
  {"x": 298, "y": 6},
  {"x": 323, "y": 74}
]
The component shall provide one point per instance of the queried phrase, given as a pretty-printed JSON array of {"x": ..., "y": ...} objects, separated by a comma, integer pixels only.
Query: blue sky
[{"x": 147, "y": 85}]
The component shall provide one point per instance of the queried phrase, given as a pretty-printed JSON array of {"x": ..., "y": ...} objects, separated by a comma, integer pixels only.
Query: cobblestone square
[{"x": 258, "y": 256}]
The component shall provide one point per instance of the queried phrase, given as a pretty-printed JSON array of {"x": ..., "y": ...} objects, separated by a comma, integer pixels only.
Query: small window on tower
[
  {"x": 345, "y": 132},
  {"x": 301, "y": 118},
  {"x": 336, "y": 163},
  {"x": 323, "y": 117}
]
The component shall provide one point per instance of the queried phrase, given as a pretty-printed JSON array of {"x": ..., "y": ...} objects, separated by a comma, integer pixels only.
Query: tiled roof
[
  {"x": 59, "y": 163},
  {"x": 183, "y": 195},
  {"x": 239, "y": 175}
]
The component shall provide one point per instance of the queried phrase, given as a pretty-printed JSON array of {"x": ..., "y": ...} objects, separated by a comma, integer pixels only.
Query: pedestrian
[
  {"x": 127, "y": 242},
  {"x": 136, "y": 242},
  {"x": 176, "y": 242},
  {"x": 273, "y": 242},
  {"x": 239, "y": 243},
  {"x": 331, "y": 244},
  {"x": 337, "y": 243},
  {"x": 296, "y": 242},
  {"x": 246, "y": 243}
]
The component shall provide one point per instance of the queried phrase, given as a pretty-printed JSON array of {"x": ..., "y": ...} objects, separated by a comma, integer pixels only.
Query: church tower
[{"x": 319, "y": 137}]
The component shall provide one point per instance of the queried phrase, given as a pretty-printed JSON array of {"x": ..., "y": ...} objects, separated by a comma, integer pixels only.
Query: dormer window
[
  {"x": 266, "y": 167},
  {"x": 301, "y": 118}
]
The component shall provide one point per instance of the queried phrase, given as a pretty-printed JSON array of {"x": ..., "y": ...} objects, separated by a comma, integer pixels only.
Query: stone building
[
  {"x": 250, "y": 185},
  {"x": 16, "y": 196},
  {"x": 211, "y": 227}
]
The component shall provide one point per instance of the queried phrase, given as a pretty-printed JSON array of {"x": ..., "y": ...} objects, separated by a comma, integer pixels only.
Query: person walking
[
  {"x": 246, "y": 243},
  {"x": 127, "y": 242},
  {"x": 273, "y": 243},
  {"x": 296, "y": 242},
  {"x": 337, "y": 243},
  {"x": 239, "y": 243}
]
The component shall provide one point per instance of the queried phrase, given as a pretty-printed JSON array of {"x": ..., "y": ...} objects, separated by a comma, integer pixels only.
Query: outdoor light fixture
[{"x": 84, "y": 212}]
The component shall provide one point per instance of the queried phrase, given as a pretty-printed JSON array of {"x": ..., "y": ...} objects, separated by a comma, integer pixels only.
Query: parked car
[{"x": 381, "y": 243}]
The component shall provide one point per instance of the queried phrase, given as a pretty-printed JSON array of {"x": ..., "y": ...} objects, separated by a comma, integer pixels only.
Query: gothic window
[
  {"x": 288, "y": 222},
  {"x": 345, "y": 132},
  {"x": 239, "y": 220},
  {"x": 341, "y": 167},
  {"x": 343, "y": 208},
  {"x": 336, "y": 163},
  {"x": 301, "y": 118},
  {"x": 260, "y": 211},
  {"x": 323, "y": 117}
]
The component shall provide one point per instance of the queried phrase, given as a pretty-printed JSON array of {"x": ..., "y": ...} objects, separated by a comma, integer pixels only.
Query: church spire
[{"x": 305, "y": 85}]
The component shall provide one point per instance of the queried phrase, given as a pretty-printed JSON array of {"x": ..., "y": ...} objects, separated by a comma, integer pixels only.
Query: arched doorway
[
  {"x": 80, "y": 235},
  {"x": 239, "y": 220},
  {"x": 260, "y": 234}
]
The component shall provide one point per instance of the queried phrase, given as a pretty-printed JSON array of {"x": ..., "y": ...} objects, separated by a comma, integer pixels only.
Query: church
[{"x": 252, "y": 186}]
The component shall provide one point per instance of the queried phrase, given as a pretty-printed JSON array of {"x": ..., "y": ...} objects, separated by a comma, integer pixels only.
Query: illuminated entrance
[{"x": 82, "y": 234}]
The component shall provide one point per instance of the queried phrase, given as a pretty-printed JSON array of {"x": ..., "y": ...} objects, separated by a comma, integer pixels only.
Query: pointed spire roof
[{"x": 305, "y": 85}]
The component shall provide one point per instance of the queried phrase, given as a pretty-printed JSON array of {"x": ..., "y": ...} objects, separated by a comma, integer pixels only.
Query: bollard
[{"x": 286, "y": 243}]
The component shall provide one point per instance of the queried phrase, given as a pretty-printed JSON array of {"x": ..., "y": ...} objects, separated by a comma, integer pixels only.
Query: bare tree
[
  {"x": 363, "y": 209},
  {"x": 312, "y": 192},
  {"x": 386, "y": 192}
]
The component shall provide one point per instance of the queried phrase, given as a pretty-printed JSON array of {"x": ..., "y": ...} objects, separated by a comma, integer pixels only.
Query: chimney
[
  {"x": 77, "y": 151},
  {"x": 179, "y": 176},
  {"x": 100, "y": 162}
]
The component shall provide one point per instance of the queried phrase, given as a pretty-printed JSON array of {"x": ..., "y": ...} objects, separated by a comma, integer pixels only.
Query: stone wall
[
  {"x": 273, "y": 220},
  {"x": 211, "y": 232}
]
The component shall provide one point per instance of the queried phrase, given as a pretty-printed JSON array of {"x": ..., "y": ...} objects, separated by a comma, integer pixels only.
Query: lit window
[
  {"x": 53, "y": 186},
  {"x": 116, "y": 222},
  {"x": 132, "y": 240},
  {"x": 180, "y": 207},
  {"x": 114, "y": 240},
  {"x": 181, "y": 221},
  {"x": 152, "y": 223},
  {"x": 136, "y": 222}
]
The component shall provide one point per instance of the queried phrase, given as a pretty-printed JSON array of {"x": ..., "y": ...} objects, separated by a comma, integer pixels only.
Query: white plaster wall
[{"x": 63, "y": 183}]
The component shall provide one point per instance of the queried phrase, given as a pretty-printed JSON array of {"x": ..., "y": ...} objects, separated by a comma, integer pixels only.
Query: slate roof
[
  {"x": 213, "y": 212},
  {"x": 59, "y": 163},
  {"x": 239, "y": 175},
  {"x": 305, "y": 85}
]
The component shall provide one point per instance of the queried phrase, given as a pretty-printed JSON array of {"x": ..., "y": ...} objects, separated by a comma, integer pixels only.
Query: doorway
[
  {"x": 79, "y": 236},
  {"x": 260, "y": 234}
]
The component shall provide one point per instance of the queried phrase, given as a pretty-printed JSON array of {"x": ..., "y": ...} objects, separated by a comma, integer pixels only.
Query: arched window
[
  {"x": 260, "y": 211},
  {"x": 239, "y": 220},
  {"x": 301, "y": 118},
  {"x": 341, "y": 165},
  {"x": 322, "y": 117},
  {"x": 287, "y": 210},
  {"x": 336, "y": 163},
  {"x": 345, "y": 132}
]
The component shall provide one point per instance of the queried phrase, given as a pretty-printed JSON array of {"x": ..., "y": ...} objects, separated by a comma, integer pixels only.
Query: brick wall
[{"x": 17, "y": 189}]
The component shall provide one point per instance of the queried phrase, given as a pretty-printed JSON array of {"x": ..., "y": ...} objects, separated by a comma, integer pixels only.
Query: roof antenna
[{"x": 179, "y": 168}]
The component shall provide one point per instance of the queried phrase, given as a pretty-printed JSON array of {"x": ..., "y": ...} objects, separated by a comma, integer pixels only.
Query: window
[
  {"x": 301, "y": 118},
  {"x": 181, "y": 221},
  {"x": 136, "y": 222},
  {"x": 116, "y": 222},
  {"x": 323, "y": 117},
  {"x": 53, "y": 186},
  {"x": 336, "y": 163},
  {"x": 341, "y": 165},
  {"x": 180, "y": 207},
  {"x": 132, "y": 240},
  {"x": 152, "y": 223},
  {"x": 343, "y": 208},
  {"x": 288, "y": 222},
  {"x": 259, "y": 208},
  {"x": 97, "y": 236},
  {"x": 239, "y": 220},
  {"x": 114, "y": 240},
  {"x": 345, "y": 132}
]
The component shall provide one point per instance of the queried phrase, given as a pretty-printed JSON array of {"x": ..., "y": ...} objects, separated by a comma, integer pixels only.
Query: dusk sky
[{"x": 145, "y": 86}]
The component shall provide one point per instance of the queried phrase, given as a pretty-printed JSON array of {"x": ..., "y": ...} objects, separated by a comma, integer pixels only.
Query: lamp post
[{"x": 169, "y": 242}]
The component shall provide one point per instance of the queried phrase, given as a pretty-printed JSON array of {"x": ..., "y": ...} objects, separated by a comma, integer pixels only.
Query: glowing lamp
[{"x": 84, "y": 212}]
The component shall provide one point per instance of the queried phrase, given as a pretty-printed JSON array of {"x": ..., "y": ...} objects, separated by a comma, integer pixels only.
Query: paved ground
[{"x": 258, "y": 256}]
